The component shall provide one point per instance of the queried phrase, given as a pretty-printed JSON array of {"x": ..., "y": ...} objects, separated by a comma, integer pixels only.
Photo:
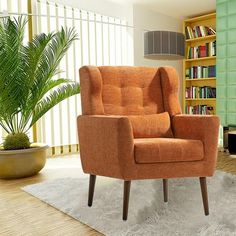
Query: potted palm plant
[{"x": 28, "y": 89}]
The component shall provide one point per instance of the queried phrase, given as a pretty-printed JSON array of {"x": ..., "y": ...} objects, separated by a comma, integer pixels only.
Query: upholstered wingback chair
[{"x": 132, "y": 128}]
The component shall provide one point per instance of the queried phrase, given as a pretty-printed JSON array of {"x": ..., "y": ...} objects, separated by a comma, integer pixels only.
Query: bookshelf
[
  {"x": 211, "y": 37},
  {"x": 199, "y": 66},
  {"x": 200, "y": 59}
]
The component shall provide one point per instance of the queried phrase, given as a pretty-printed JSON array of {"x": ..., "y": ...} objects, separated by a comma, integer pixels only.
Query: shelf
[
  {"x": 201, "y": 79},
  {"x": 209, "y": 37},
  {"x": 200, "y": 18},
  {"x": 200, "y": 59},
  {"x": 200, "y": 114},
  {"x": 200, "y": 99}
]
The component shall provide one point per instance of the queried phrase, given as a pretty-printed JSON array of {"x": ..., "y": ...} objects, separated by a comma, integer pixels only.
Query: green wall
[{"x": 226, "y": 60}]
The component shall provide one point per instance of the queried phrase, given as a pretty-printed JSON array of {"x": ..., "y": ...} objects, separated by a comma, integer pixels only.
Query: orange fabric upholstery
[
  {"x": 204, "y": 128},
  {"x": 170, "y": 90},
  {"x": 131, "y": 90},
  {"x": 107, "y": 146},
  {"x": 91, "y": 87},
  {"x": 153, "y": 150},
  {"x": 121, "y": 90},
  {"x": 151, "y": 126}
]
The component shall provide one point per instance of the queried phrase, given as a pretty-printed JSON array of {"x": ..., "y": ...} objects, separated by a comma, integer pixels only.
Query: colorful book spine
[
  {"x": 198, "y": 72},
  {"x": 199, "y": 110},
  {"x": 195, "y": 92},
  {"x": 198, "y": 31},
  {"x": 206, "y": 50}
]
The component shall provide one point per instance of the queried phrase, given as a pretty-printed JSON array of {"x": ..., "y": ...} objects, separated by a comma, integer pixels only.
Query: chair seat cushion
[
  {"x": 151, "y": 126},
  {"x": 153, "y": 150}
]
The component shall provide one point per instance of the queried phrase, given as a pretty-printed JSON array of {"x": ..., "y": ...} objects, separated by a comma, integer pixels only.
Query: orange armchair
[{"x": 132, "y": 128}]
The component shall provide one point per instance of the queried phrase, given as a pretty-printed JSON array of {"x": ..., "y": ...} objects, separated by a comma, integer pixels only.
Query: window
[{"x": 103, "y": 40}]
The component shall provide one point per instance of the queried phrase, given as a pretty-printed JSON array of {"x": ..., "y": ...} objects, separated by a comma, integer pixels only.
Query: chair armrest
[
  {"x": 204, "y": 128},
  {"x": 196, "y": 127},
  {"x": 106, "y": 144}
]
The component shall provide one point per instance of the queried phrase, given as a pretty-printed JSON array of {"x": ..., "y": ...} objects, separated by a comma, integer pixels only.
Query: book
[
  {"x": 199, "y": 110},
  {"x": 211, "y": 31},
  {"x": 202, "y": 51},
  {"x": 198, "y": 72},
  {"x": 198, "y": 31},
  {"x": 187, "y": 73},
  {"x": 187, "y": 35},
  {"x": 195, "y": 92},
  {"x": 212, "y": 71},
  {"x": 205, "y": 50}
]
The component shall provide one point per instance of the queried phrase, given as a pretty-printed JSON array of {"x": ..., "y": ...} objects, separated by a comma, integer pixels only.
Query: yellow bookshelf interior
[{"x": 205, "y": 20}]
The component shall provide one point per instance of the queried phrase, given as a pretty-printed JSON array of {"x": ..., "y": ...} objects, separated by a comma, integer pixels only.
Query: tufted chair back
[{"x": 127, "y": 90}]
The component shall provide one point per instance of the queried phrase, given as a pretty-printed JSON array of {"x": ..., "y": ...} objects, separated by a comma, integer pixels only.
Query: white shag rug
[{"x": 148, "y": 214}]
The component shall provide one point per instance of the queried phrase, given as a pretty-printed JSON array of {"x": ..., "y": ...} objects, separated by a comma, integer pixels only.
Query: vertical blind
[
  {"x": 18, "y": 7},
  {"x": 103, "y": 40}
]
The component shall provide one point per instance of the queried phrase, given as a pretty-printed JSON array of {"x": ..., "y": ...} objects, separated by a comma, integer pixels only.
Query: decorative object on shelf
[
  {"x": 164, "y": 45},
  {"x": 27, "y": 91}
]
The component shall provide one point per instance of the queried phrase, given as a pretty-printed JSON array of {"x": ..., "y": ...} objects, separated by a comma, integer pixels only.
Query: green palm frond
[
  {"x": 27, "y": 87},
  {"x": 12, "y": 59},
  {"x": 50, "y": 59},
  {"x": 53, "y": 99},
  {"x": 34, "y": 53},
  {"x": 51, "y": 84},
  {"x": 53, "y": 53}
]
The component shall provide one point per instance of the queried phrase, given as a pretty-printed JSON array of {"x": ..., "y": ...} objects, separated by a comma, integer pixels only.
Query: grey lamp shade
[{"x": 164, "y": 45}]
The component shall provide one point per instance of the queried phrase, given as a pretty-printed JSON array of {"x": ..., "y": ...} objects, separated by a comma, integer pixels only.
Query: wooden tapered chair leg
[
  {"x": 165, "y": 189},
  {"x": 126, "y": 199},
  {"x": 92, "y": 180},
  {"x": 203, "y": 184}
]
